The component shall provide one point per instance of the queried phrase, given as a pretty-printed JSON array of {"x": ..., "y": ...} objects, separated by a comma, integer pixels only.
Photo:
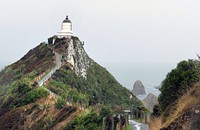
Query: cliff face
[
  {"x": 138, "y": 88},
  {"x": 73, "y": 54}
]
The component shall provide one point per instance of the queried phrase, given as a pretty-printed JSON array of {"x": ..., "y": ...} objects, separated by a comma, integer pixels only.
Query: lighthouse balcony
[{"x": 64, "y": 34}]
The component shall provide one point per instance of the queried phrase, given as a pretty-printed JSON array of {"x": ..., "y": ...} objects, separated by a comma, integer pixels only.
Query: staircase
[{"x": 58, "y": 66}]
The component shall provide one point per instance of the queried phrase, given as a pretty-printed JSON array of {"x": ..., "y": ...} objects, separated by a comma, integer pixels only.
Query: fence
[
  {"x": 117, "y": 122},
  {"x": 120, "y": 122}
]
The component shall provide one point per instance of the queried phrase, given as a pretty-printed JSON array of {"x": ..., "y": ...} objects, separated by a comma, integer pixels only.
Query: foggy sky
[{"x": 115, "y": 32}]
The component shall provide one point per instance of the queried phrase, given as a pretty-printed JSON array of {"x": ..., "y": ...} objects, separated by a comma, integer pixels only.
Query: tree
[{"x": 178, "y": 81}]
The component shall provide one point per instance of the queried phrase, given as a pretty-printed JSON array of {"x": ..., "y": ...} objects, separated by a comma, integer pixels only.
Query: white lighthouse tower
[{"x": 66, "y": 29}]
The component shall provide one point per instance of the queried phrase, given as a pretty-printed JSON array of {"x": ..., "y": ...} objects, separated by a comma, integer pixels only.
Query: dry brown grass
[
  {"x": 155, "y": 123},
  {"x": 189, "y": 99}
]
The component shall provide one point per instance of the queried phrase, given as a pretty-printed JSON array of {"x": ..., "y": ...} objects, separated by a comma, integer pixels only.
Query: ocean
[{"x": 150, "y": 74}]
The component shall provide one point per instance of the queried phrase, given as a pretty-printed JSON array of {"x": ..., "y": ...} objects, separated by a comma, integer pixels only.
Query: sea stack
[
  {"x": 150, "y": 101},
  {"x": 138, "y": 88}
]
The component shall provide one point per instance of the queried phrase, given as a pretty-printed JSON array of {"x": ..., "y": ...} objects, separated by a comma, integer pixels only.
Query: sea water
[{"x": 151, "y": 75}]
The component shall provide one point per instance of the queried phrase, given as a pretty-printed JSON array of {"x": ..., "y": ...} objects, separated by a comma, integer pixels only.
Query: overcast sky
[{"x": 116, "y": 32}]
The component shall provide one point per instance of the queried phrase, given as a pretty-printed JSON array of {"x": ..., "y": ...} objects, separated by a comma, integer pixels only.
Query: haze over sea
[
  {"x": 2, "y": 66},
  {"x": 151, "y": 74}
]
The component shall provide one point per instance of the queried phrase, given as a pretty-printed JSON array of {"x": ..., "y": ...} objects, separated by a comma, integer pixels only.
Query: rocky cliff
[
  {"x": 73, "y": 54},
  {"x": 138, "y": 88}
]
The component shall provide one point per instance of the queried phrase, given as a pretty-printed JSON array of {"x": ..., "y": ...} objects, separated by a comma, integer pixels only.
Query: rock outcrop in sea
[
  {"x": 150, "y": 101},
  {"x": 159, "y": 86},
  {"x": 138, "y": 88}
]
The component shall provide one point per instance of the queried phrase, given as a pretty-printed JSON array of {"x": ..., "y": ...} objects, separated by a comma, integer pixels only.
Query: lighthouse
[{"x": 66, "y": 29}]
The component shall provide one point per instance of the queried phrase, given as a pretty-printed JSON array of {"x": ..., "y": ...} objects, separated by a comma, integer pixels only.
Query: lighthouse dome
[{"x": 66, "y": 20}]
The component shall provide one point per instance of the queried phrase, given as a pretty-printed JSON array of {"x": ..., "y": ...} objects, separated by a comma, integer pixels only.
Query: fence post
[
  {"x": 137, "y": 115},
  {"x": 120, "y": 122},
  {"x": 113, "y": 124},
  {"x": 127, "y": 119},
  {"x": 104, "y": 123},
  {"x": 145, "y": 117},
  {"x": 141, "y": 116}
]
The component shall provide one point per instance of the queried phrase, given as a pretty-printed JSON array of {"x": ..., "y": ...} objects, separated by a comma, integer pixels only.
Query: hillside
[
  {"x": 186, "y": 113},
  {"x": 41, "y": 114},
  {"x": 79, "y": 82},
  {"x": 178, "y": 107},
  {"x": 36, "y": 62}
]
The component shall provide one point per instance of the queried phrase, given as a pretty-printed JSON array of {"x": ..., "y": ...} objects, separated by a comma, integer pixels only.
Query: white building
[{"x": 66, "y": 29}]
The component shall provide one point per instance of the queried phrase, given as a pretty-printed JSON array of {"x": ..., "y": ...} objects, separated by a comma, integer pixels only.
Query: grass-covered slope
[
  {"x": 34, "y": 63},
  {"x": 80, "y": 83},
  {"x": 100, "y": 86},
  {"x": 40, "y": 115},
  {"x": 17, "y": 81},
  {"x": 185, "y": 113}
]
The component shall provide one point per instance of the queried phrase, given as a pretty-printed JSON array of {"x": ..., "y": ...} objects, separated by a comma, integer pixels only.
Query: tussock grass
[
  {"x": 189, "y": 99},
  {"x": 186, "y": 101},
  {"x": 155, "y": 123}
]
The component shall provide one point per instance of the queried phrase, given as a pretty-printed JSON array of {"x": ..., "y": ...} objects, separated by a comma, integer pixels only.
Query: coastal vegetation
[
  {"x": 60, "y": 100},
  {"x": 179, "y": 98}
]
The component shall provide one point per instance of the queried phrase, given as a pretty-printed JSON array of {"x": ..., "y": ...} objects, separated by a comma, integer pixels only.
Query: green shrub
[
  {"x": 100, "y": 85},
  {"x": 80, "y": 127},
  {"x": 48, "y": 120},
  {"x": 106, "y": 111},
  {"x": 60, "y": 103},
  {"x": 89, "y": 121},
  {"x": 91, "y": 126},
  {"x": 22, "y": 93},
  {"x": 21, "y": 86},
  {"x": 178, "y": 81},
  {"x": 34, "y": 95}
]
